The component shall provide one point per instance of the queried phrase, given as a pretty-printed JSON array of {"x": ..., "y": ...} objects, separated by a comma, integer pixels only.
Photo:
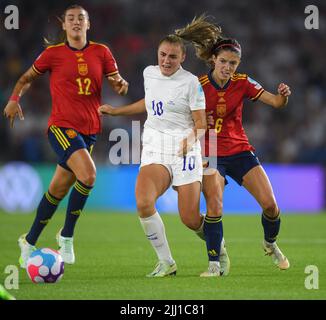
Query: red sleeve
[
  {"x": 110, "y": 65},
  {"x": 254, "y": 89},
  {"x": 43, "y": 62}
]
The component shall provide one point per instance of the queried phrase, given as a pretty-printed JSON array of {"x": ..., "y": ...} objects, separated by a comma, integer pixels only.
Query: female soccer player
[
  {"x": 226, "y": 144},
  {"x": 171, "y": 154},
  {"x": 76, "y": 71}
]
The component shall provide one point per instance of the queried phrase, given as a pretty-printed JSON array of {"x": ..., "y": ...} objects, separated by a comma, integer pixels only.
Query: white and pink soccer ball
[{"x": 45, "y": 266}]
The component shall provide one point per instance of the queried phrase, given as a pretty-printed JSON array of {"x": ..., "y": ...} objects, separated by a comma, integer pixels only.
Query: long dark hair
[
  {"x": 226, "y": 44},
  {"x": 62, "y": 37}
]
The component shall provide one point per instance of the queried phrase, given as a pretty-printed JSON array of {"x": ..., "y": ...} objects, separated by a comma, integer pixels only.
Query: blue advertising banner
[{"x": 297, "y": 188}]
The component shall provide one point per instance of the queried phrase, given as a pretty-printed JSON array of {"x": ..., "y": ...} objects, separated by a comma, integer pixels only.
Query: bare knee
[
  {"x": 270, "y": 208},
  {"x": 88, "y": 178},
  {"x": 145, "y": 206}
]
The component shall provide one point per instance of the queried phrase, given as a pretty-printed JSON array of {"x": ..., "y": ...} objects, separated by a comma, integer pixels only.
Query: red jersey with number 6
[
  {"x": 76, "y": 78},
  {"x": 225, "y": 135}
]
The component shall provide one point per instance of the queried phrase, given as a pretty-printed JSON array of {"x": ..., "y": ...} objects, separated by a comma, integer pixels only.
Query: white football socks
[{"x": 155, "y": 232}]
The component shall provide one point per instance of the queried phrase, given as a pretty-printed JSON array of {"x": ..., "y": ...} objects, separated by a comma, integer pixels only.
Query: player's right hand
[
  {"x": 11, "y": 110},
  {"x": 106, "y": 109}
]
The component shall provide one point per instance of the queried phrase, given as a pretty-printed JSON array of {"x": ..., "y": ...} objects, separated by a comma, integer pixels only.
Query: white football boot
[
  {"x": 224, "y": 260},
  {"x": 25, "y": 250},
  {"x": 214, "y": 270},
  {"x": 66, "y": 248},
  {"x": 272, "y": 250},
  {"x": 163, "y": 269}
]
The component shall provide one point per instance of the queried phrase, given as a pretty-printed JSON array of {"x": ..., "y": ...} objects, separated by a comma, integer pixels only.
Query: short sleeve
[
  {"x": 42, "y": 62},
  {"x": 254, "y": 89},
  {"x": 196, "y": 95},
  {"x": 110, "y": 65}
]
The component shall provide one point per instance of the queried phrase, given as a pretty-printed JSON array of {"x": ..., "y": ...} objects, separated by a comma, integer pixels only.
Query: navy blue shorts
[
  {"x": 235, "y": 166},
  {"x": 65, "y": 141}
]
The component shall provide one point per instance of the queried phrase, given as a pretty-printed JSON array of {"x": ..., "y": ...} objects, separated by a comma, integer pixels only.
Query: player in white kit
[{"x": 175, "y": 106}]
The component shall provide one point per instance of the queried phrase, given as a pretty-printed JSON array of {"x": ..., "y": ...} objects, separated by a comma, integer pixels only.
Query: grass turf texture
[{"x": 113, "y": 256}]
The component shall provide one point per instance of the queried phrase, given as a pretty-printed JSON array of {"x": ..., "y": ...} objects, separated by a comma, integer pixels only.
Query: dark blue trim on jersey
[
  {"x": 214, "y": 83},
  {"x": 75, "y": 49}
]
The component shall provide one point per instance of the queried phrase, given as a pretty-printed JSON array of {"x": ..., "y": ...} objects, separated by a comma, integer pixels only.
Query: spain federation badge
[
  {"x": 82, "y": 69},
  {"x": 71, "y": 133},
  {"x": 221, "y": 110}
]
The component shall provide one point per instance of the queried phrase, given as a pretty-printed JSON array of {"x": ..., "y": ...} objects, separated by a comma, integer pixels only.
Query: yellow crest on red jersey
[
  {"x": 221, "y": 110},
  {"x": 82, "y": 69}
]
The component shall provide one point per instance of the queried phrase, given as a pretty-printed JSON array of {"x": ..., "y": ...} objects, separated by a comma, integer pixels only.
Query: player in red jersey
[
  {"x": 76, "y": 68},
  {"x": 226, "y": 144}
]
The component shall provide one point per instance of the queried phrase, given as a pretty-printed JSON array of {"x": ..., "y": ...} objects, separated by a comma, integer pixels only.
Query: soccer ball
[{"x": 45, "y": 265}]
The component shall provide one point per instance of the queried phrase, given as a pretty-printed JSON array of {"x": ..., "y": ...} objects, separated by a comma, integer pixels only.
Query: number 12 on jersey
[{"x": 84, "y": 85}]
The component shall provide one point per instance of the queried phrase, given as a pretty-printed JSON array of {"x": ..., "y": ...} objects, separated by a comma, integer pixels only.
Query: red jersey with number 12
[
  {"x": 76, "y": 78},
  {"x": 225, "y": 135}
]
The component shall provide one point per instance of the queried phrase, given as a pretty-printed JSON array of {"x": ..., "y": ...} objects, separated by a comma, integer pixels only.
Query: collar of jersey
[
  {"x": 173, "y": 75},
  {"x": 215, "y": 84},
  {"x": 75, "y": 49}
]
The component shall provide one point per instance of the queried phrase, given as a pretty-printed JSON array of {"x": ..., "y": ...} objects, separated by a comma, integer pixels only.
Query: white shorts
[{"x": 183, "y": 170}]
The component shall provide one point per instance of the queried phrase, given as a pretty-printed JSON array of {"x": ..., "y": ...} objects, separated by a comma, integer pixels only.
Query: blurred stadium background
[{"x": 291, "y": 143}]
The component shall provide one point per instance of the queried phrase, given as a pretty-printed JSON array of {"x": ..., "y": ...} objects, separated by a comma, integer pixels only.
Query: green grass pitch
[{"x": 113, "y": 256}]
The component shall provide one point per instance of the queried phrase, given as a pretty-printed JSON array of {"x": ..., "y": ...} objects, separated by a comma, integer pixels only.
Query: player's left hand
[
  {"x": 119, "y": 85},
  {"x": 284, "y": 90}
]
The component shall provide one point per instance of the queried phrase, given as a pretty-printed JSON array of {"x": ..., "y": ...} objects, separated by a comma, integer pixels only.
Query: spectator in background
[{"x": 298, "y": 60}]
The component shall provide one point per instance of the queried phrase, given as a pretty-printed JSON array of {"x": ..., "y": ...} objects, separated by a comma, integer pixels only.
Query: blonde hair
[{"x": 202, "y": 34}]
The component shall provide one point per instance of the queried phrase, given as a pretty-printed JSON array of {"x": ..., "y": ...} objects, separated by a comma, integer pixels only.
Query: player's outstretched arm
[
  {"x": 118, "y": 84},
  {"x": 277, "y": 101},
  {"x": 13, "y": 107},
  {"x": 130, "y": 109}
]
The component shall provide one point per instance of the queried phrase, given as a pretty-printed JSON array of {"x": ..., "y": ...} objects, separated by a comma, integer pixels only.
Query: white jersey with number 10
[{"x": 169, "y": 103}]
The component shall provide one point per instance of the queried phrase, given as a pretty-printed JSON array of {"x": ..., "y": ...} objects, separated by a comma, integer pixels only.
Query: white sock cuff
[{"x": 153, "y": 216}]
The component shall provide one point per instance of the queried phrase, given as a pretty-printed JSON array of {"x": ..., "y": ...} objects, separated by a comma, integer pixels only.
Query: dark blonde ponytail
[{"x": 202, "y": 34}]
